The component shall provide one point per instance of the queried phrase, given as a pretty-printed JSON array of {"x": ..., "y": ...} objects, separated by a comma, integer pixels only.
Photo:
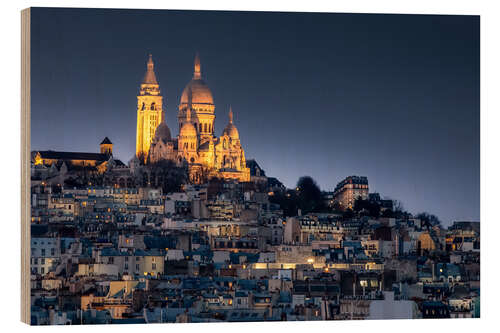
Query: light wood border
[{"x": 25, "y": 165}]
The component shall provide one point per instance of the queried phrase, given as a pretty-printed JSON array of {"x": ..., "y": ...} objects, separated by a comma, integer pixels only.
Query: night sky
[{"x": 391, "y": 97}]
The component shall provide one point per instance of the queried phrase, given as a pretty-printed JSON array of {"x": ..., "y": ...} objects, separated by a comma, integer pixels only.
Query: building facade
[
  {"x": 196, "y": 145},
  {"x": 65, "y": 161},
  {"x": 348, "y": 190}
]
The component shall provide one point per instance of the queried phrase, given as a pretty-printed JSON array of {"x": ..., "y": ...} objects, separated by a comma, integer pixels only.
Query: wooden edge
[{"x": 25, "y": 165}]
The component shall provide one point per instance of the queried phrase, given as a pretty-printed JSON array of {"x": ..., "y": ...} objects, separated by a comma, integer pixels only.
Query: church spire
[
  {"x": 150, "y": 77},
  {"x": 230, "y": 114},
  {"x": 197, "y": 67},
  {"x": 190, "y": 105}
]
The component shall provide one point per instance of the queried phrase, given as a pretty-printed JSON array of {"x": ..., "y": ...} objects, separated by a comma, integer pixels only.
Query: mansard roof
[{"x": 254, "y": 166}]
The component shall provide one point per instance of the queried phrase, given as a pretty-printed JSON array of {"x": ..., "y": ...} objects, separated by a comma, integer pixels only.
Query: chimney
[{"x": 433, "y": 266}]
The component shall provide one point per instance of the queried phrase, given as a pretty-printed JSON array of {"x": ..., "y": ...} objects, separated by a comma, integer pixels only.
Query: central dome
[
  {"x": 163, "y": 132},
  {"x": 199, "y": 91}
]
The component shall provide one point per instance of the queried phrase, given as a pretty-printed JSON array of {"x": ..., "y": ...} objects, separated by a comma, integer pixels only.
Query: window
[
  {"x": 206, "y": 128},
  {"x": 200, "y": 129},
  {"x": 43, "y": 252},
  {"x": 137, "y": 267},
  {"x": 52, "y": 252},
  {"x": 42, "y": 270},
  {"x": 153, "y": 267}
]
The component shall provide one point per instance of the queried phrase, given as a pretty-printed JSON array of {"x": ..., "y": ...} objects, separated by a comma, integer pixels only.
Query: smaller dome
[
  {"x": 231, "y": 131},
  {"x": 163, "y": 132},
  {"x": 187, "y": 130}
]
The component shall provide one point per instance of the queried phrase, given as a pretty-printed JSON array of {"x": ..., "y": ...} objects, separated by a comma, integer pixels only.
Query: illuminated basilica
[{"x": 205, "y": 154}]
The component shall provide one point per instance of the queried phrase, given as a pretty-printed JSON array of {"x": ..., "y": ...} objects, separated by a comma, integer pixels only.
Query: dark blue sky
[{"x": 391, "y": 97}]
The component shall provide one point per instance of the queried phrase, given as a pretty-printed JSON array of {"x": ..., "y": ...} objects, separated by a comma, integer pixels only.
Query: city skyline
[{"x": 407, "y": 117}]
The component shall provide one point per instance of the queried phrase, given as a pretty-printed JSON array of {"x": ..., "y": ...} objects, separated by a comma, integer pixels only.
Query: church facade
[{"x": 196, "y": 145}]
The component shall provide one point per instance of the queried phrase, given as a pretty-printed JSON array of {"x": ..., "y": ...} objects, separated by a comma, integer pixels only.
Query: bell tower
[
  {"x": 106, "y": 147},
  {"x": 149, "y": 111}
]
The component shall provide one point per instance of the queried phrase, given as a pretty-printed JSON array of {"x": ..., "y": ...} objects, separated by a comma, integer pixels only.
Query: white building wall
[{"x": 392, "y": 309}]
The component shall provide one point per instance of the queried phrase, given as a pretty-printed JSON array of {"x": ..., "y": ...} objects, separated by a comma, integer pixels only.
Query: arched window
[
  {"x": 201, "y": 128},
  {"x": 143, "y": 106},
  {"x": 152, "y": 106},
  {"x": 206, "y": 128}
]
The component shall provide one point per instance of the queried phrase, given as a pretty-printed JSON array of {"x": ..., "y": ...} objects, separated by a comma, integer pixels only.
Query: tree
[
  {"x": 165, "y": 174},
  {"x": 388, "y": 213},
  {"x": 309, "y": 195},
  {"x": 288, "y": 202},
  {"x": 367, "y": 207},
  {"x": 399, "y": 211},
  {"x": 306, "y": 197},
  {"x": 428, "y": 220}
]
